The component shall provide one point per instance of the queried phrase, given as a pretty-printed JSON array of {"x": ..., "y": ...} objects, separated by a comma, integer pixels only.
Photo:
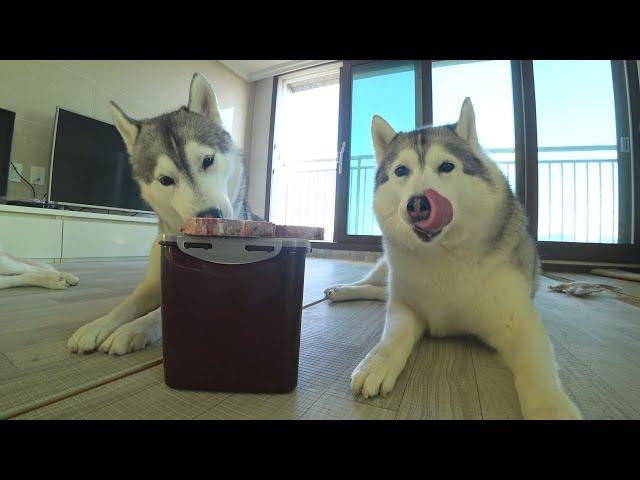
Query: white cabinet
[
  {"x": 86, "y": 238},
  {"x": 58, "y": 235},
  {"x": 31, "y": 236}
]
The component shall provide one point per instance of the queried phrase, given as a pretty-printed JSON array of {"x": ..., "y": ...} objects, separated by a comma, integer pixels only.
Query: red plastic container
[{"x": 231, "y": 312}]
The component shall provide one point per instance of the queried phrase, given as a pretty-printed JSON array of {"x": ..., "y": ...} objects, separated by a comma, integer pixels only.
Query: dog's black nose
[
  {"x": 211, "y": 213},
  {"x": 418, "y": 207}
]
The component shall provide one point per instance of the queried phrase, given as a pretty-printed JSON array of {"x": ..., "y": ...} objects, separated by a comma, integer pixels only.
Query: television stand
[
  {"x": 65, "y": 235},
  {"x": 34, "y": 202}
]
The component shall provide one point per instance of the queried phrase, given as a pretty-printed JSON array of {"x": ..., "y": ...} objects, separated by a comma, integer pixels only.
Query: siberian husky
[
  {"x": 458, "y": 260},
  {"x": 20, "y": 272},
  {"x": 186, "y": 165}
]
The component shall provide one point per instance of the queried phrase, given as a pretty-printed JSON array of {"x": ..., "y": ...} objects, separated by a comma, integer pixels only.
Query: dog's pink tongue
[{"x": 441, "y": 213}]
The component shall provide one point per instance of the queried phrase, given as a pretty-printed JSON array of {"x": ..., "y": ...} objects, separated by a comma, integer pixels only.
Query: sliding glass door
[
  {"x": 583, "y": 146},
  {"x": 562, "y": 131},
  {"x": 584, "y": 160},
  {"x": 409, "y": 94},
  {"x": 392, "y": 89},
  {"x": 303, "y": 173}
]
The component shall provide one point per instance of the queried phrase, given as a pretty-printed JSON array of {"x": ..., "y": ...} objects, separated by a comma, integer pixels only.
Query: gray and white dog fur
[
  {"x": 22, "y": 272},
  {"x": 186, "y": 165},
  {"x": 477, "y": 276}
]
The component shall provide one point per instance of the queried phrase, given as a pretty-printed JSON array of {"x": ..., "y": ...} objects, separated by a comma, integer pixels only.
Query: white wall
[
  {"x": 260, "y": 145},
  {"x": 143, "y": 88}
]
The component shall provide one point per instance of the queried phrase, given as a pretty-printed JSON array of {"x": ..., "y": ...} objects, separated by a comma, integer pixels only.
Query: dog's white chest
[
  {"x": 456, "y": 295},
  {"x": 433, "y": 291},
  {"x": 441, "y": 292}
]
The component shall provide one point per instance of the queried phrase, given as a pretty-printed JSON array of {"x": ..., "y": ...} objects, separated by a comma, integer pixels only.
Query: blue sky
[{"x": 574, "y": 102}]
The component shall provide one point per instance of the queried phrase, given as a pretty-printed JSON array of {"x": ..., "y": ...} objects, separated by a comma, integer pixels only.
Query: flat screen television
[
  {"x": 90, "y": 166},
  {"x": 6, "y": 136}
]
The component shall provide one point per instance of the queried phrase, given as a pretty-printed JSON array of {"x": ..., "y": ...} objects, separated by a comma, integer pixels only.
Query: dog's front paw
[
  {"x": 56, "y": 282},
  {"x": 130, "y": 338},
  {"x": 70, "y": 278},
  {"x": 338, "y": 293},
  {"x": 374, "y": 375},
  {"x": 331, "y": 291},
  {"x": 88, "y": 337}
]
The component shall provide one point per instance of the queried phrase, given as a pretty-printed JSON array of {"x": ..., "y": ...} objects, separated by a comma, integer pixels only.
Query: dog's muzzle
[
  {"x": 429, "y": 213},
  {"x": 418, "y": 208}
]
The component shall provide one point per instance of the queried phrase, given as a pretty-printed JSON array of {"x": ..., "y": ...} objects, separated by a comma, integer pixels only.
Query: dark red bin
[{"x": 231, "y": 312}]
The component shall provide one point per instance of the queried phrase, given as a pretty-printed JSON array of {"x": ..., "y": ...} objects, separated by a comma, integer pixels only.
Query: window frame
[
  {"x": 614, "y": 253},
  {"x": 423, "y": 116},
  {"x": 277, "y": 80},
  {"x": 526, "y": 161}
]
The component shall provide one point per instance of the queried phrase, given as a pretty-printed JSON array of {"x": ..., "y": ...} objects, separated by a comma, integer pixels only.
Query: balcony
[{"x": 577, "y": 193}]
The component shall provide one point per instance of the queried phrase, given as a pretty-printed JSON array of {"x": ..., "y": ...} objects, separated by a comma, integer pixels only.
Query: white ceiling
[{"x": 252, "y": 70}]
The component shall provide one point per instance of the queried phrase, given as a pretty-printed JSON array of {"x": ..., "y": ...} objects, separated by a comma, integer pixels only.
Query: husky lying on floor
[
  {"x": 186, "y": 165},
  {"x": 458, "y": 260},
  {"x": 19, "y": 272}
]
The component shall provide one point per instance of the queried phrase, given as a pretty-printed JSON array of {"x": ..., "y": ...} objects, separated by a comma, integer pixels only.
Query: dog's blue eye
[
  {"x": 207, "y": 161},
  {"x": 166, "y": 181},
  {"x": 402, "y": 171},
  {"x": 446, "y": 167}
]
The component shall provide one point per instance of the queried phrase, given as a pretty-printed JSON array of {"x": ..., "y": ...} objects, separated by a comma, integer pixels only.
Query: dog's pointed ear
[
  {"x": 127, "y": 127},
  {"x": 202, "y": 100},
  {"x": 381, "y": 133},
  {"x": 466, "y": 126}
]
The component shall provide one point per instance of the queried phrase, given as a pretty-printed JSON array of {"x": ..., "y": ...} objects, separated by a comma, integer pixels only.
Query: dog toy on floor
[{"x": 582, "y": 289}]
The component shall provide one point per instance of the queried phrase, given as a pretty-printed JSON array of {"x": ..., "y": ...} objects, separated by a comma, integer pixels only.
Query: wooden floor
[{"x": 596, "y": 341}]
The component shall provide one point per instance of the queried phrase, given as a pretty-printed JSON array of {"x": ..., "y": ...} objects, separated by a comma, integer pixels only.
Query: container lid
[{"x": 233, "y": 250}]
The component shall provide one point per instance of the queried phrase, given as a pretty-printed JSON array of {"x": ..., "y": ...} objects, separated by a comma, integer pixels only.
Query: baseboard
[
  {"x": 584, "y": 267},
  {"x": 104, "y": 259},
  {"x": 353, "y": 255},
  {"x": 44, "y": 260}
]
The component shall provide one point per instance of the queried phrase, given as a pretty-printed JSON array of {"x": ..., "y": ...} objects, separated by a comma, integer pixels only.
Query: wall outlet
[
  {"x": 13, "y": 176},
  {"x": 37, "y": 175}
]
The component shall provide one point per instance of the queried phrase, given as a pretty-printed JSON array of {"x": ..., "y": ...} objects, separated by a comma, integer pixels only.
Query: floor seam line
[
  {"x": 12, "y": 414},
  {"x": 475, "y": 375}
]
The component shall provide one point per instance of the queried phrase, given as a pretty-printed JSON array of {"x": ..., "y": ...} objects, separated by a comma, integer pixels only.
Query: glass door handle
[
  {"x": 625, "y": 145},
  {"x": 340, "y": 157}
]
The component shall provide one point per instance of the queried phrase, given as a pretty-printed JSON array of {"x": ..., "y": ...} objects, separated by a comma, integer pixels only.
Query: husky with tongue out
[{"x": 458, "y": 260}]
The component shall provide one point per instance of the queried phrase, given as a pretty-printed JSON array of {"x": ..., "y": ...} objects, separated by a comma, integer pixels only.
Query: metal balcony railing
[{"x": 577, "y": 192}]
